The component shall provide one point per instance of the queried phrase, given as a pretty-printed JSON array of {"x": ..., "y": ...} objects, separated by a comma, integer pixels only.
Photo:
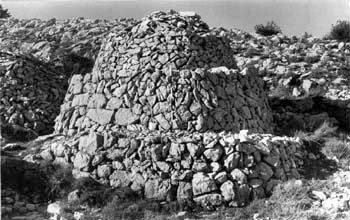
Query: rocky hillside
[
  {"x": 69, "y": 45},
  {"x": 159, "y": 110}
]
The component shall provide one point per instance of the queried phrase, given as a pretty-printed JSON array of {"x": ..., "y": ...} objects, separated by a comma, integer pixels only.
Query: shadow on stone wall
[{"x": 307, "y": 114}]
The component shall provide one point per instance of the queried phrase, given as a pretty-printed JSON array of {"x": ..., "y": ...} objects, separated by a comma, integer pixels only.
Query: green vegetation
[
  {"x": 340, "y": 31},
  {"x": 4, "y": 12},
  {"x": 271, "y": 28}
]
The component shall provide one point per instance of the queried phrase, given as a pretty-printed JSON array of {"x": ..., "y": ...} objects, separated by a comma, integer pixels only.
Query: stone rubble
[
  {"x": 30, "y": 92},
  {"x": 298, "y": 68},
  {"x": 14, "y": 204},
  {"x": 70, "y": 46},
  {"x": 302, "y": 66}
]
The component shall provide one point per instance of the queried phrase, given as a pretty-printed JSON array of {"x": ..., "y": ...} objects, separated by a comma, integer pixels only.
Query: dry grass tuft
[{"x": 318, "y": 136}]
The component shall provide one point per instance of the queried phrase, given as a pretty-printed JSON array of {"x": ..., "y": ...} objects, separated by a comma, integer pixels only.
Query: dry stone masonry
[
  {"x": 167, "y": 72},
  {"x": 30, "y": 92},
  {"x": 165, "y": 112},
  {"x": 210, "y": 169}
]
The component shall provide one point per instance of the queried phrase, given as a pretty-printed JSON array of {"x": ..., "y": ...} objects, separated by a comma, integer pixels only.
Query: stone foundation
[{"x": 206, "y": 168}]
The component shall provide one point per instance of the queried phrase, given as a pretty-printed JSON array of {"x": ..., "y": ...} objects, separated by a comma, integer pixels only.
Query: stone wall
[
  {"x": 210, "y": 169},
  {"x": 31, "y": 92},
  {"x": 199, "y": 100},
  {"x": 162, "y": 74}
]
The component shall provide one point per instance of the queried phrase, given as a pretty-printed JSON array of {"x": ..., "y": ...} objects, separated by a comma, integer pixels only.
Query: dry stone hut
[
  {"x": 165, "y": 112},
  {"x": 167, "y": 72},
  {"x": 31, "y": 93}
]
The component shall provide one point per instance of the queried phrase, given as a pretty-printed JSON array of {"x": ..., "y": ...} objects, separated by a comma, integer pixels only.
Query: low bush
[
  {"x": 335, "y": 147},
  {"x": 340, "y": 31},
  {"x": 60, "y": 182},
  {"x": 125, "y": 205},
  {"x": 4, "y": 13},
  {"x": 271, "y": 28}
]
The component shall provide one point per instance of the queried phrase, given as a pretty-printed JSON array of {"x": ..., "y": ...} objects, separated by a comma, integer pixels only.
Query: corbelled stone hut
[{"x": 167, "y": 72}]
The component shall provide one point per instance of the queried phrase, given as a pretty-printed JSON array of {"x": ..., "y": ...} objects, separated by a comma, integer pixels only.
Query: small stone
[
  {"x": 117, "y": 165},
  {"x": 104, "y": 171},
  {"x": 199, "y": 166},
  {"x": 47, "y": 155},
  {"x": 255, "y": 183},
  {"x": 228, "y": 190},
  {"x": 120, "y": 178},
  {"x": 125, "y": 116},
  {"x": 157, "y": 189},
  {"x": 163, "y": 166},
  {"x": 184, "y": 191},
  {"x": 82, "y": 161},
  {"x": 138, "y": 182},
  {"x": 91, "y": 143},
  {"x": 214, "y": 154},
  {"x": 55, "y": 208},
  {"x": 74, "y": 197},
  {"x": 243, "y": 136},
  {"x": 162, "y": 122},
  {"x": 231, "y": 161},
  {"x": 202, "y": 184},
  {"x": 97, "y": 160},
  {"x": 239, "y": 176},
  {"x": 221, "y": 177},
  {"x": 264, "y": 171},
  {"x": 78, "y": 215},
  {"x": 209, "y": 201}
]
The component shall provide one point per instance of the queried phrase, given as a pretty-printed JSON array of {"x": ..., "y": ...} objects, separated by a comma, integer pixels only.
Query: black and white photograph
[{"x": 175, "y": 109}]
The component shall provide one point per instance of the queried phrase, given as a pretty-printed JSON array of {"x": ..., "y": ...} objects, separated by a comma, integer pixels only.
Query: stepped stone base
[{"x": 206, "y": 168}]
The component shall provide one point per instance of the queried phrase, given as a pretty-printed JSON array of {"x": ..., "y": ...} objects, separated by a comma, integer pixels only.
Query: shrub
[
  {"x": 4, "y": 13},
  {"x": 340, "y": 31},
  {"x": 271, "y": 28},
  {"x": 127, "y": 206},
  {"x": 338, "y": 148},
  {"x": 59, "y": 182}
]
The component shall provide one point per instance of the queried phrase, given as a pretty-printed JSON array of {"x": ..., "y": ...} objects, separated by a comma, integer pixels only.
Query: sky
[{"x": 293, "y": 16}]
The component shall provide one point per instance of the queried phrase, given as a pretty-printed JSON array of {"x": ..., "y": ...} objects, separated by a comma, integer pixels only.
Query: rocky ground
[{"x": 308, "y": 83}]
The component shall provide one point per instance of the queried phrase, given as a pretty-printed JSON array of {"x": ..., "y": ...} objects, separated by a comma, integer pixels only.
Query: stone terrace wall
[
  {"x": 148, "y": 78},
  {"x": 30, "y": 92},
  {"x": 206, "y": 168}
]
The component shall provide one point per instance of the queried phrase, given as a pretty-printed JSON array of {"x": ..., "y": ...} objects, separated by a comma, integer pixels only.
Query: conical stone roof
[{"x": 167, "y": 72}]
